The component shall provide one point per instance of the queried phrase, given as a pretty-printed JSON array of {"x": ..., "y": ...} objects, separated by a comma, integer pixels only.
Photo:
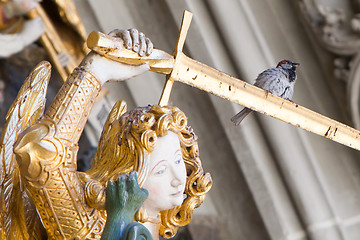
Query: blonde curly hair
[{"x": 125, "y": 145}]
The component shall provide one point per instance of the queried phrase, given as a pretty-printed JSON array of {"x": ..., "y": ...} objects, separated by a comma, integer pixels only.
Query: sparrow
[{"x": 279, "y": 81}]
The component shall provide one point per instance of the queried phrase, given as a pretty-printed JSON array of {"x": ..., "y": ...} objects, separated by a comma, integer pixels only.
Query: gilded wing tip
[{"x": 43, "y": 64}]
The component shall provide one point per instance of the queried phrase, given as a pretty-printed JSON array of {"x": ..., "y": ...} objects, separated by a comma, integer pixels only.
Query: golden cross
[{"x": 181, "y": 68}]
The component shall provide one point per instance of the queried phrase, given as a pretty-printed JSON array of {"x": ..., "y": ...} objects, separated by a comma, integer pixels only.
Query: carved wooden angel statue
[{"x": 43, "y": 196}]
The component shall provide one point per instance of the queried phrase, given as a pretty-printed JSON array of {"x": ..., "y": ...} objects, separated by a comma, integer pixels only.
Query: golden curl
[
  {"x": 199, "y": 184},
  {"x": 179, "y": 119},
  {"x": 188, "y": 137},
  {"x": 163, "y": 125},
  {"x": 159, "y": 110},
  {"x": 95, "y": 194},
  {"x": 191, "y": 151},
  {"x": 179, "y": 216},
  {"x": 148, "y": 140},
  {"x": 144, "y": 122},
  {"x": 203, "y": 183}
]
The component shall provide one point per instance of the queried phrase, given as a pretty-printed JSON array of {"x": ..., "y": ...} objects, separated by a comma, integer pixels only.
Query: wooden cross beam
[{"x": 181, "y": 68}]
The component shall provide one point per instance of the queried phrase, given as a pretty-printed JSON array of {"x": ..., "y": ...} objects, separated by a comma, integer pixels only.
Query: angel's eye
[{"x": 161, "y": 170}]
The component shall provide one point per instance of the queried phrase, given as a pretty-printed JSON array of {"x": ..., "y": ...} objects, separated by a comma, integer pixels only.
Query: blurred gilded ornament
[{"x": 65, "y": 35}]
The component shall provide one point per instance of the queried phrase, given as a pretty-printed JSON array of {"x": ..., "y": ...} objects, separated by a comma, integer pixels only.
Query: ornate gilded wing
[
  {"x": 117, "y": 110},
  {"x": 19, "y": 219}
]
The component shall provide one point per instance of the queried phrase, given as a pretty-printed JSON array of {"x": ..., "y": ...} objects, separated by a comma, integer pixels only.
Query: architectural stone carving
[{"x": 336, "y": 26}]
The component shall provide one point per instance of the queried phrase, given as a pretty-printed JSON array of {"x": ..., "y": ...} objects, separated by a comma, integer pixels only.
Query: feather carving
[{"x": 19, "y": 219}]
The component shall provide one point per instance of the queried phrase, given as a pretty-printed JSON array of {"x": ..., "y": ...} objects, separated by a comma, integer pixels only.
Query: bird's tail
[{"x": 240, "y": 116}]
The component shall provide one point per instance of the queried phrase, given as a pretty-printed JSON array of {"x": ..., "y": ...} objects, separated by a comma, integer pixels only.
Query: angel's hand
[
  {"x": 134, "y": 40},
  {"x": 108, "y": 70},
  {"x": 124, "y": 197}
]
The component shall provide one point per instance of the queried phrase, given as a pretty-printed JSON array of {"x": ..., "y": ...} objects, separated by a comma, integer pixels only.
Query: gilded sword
[{"x": 181, "y": 68}]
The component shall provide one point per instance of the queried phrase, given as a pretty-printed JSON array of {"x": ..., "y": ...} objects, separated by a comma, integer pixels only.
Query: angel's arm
[
  {"x": 71, "y": 106},
  {"x": 57, "y": 134}
]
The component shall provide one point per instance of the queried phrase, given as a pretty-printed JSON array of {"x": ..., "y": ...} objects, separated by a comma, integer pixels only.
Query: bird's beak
[{"x": 296, "y": 64}]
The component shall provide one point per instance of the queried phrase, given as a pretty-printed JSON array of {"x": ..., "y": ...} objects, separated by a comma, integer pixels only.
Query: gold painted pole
[
  {"x": 53, "y": 43},
  {"x": 45, "y": 41}
]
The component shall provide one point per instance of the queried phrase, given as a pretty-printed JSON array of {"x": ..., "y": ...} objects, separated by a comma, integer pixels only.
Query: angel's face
[{"x": 167, "y": 176}]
